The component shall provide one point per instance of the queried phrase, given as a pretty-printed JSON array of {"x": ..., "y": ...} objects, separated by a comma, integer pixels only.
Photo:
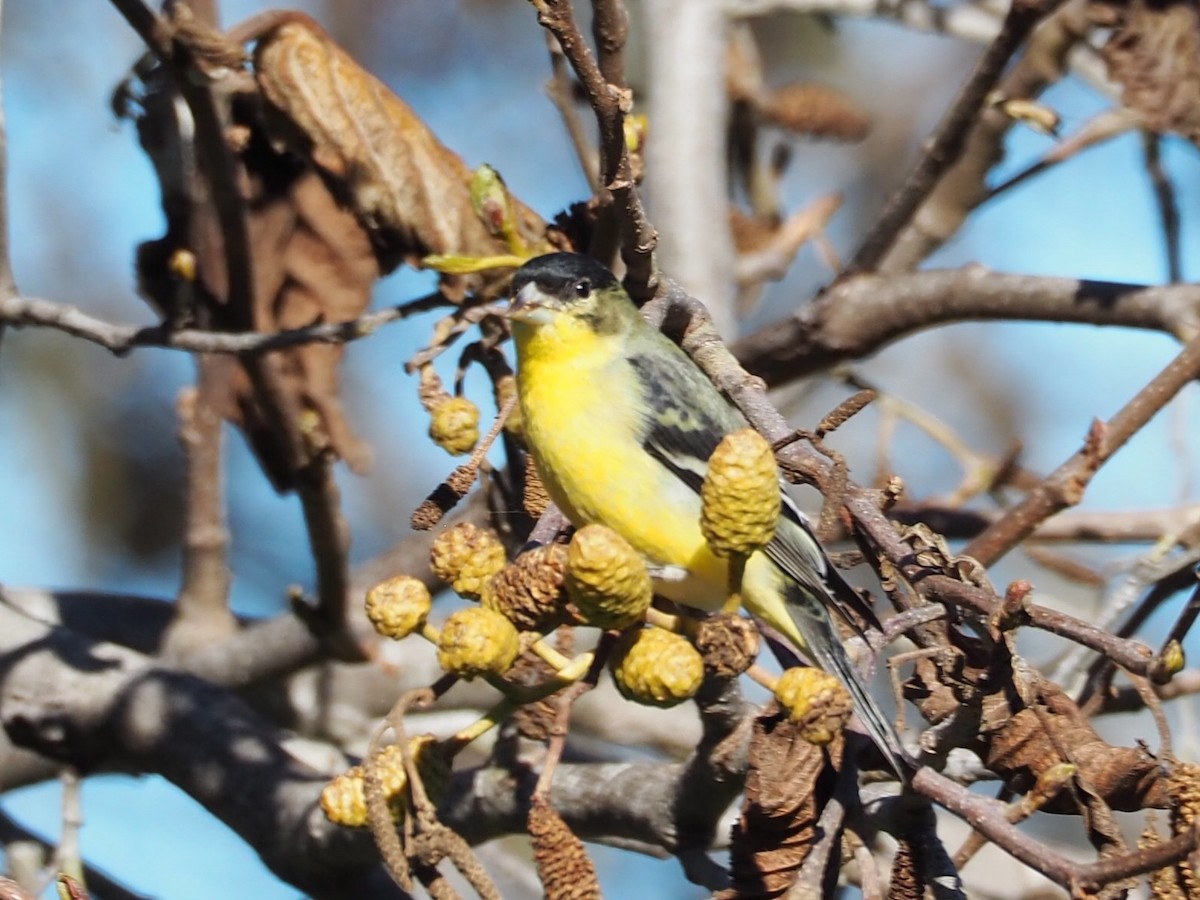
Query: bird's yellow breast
[{"x": 584, "y": 417}]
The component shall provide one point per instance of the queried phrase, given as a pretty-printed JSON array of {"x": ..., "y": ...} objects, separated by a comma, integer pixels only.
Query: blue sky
[{"x": 83, "y": 195}]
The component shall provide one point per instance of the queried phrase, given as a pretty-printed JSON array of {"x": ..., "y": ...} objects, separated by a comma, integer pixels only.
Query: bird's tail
[{"x": 812, "y": 619}]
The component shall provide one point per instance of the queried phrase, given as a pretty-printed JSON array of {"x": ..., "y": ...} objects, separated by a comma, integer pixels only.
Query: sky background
[{"x": 87, "y": 441}]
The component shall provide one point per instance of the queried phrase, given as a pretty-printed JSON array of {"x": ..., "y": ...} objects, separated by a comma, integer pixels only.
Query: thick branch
[
  {"x": 100, "y": 705},
  {"x": 860, "y": 315}
]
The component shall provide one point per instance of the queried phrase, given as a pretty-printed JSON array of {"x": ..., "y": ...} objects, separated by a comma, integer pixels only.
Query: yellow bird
[{"x": 621, "y": 424}]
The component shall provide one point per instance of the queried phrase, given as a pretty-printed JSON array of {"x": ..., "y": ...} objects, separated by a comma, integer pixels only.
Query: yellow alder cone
[
  {"x": 530, "y": 591},
  {"x": 344, "y": 799},
  {"x": 740, "y": 495},
  {"x": 606, "y": 578},
  {"x": 477, "y": 641},
  {"x": 656, "y": 667},
  {"x": 814, "y": 700},
  {"x": 398, "y": 607},
  {"x": 454, "y": 425},
  {"x": 466, "y": 557}
]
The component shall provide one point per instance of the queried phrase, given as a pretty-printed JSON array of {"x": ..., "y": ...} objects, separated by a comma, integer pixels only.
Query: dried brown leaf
[
  {"x": 1020, "y": 749},
  {"x": 408, "y": 189},
  {"x": 310, "y": 262},
  {"x": 1154, "y": 54},
  {"x": 785, "y": 794}
]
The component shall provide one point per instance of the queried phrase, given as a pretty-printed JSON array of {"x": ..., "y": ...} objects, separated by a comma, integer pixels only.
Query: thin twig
[
  {"x": 1066, "y": 485},
  {"x": 610, "y": 103},
  {"x": 1168, "y": 208},
  {"x": 202, "y": 605},
  {"x": 562, "y": 95},
  {"x": 948, "y": 141},
  {"x": 120, "y": 339},
  {"x": 990, "y": 818}
]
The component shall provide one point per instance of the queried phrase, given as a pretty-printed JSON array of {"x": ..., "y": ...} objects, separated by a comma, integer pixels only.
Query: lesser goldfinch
[{"x": 621, "y": 424}]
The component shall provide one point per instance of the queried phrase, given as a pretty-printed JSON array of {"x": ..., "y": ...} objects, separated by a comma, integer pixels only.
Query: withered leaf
[
  {"x": 409, "y": 190},
  {"x": 788, "y": 785},
  {"x": 313, "y": 263},
  {"x": 1154, "y": 54},
  {"x": 1020, "y": 750},
  {"x": 310, "y": 262}
]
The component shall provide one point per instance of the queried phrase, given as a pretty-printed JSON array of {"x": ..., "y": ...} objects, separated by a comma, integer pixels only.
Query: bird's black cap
[{"x": 557, "y": 274}]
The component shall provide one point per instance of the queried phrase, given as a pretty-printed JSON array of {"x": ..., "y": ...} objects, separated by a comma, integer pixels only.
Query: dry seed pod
[
  {"x": 656, "y": 667},
  {"x": 729, "y": 644},
  {"x": 466, "y": 557},
  {"x": 505, "y": 389},
  {"x": 566, "y": 871},
  {"x": 477, "y": 641},
  {"x": 816, "y": 110},
  {"x": 606, "y": 578},
  {"x": 531, "y": 591},
  {"x": 536, "y": 498},
  {"x": 814, "y": 700},
  {"x": 454, "y": 425},
  {"x": 740, "y": 495},
  {"x": 398, "y": 607}
]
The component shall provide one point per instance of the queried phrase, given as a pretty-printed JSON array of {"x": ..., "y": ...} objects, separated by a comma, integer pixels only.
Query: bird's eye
[{"x": 583, "y": 288}]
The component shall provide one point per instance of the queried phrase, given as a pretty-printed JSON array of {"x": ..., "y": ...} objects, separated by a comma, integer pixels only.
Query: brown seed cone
[
  {"x": 535, "y": 720},
  {"x": 816, "y": 110},
  {"x": 907, "y": 881},
  {"x": 536, "y": 499},
  {"x": 729, "y": 644},
  {"x": 566, "y": 871},
  {"x": 530, "y": 591}
]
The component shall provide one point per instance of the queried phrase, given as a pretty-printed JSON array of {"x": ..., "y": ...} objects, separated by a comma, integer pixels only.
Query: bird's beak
[{"x": 529, "y": 305}]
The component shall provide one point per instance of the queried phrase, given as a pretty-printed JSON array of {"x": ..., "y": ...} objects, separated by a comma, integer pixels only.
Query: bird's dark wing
[
  {"x": 797, "y": 552},
  {"x": 686, "y": 416},
  {"x": 685, "y": 420}
]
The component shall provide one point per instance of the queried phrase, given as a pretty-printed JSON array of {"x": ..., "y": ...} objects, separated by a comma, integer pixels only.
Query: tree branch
[
  {"x": 864, "y": 313},
  {"x": 946, "y": 145},
  {"x": 1066, "y": 485}
]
